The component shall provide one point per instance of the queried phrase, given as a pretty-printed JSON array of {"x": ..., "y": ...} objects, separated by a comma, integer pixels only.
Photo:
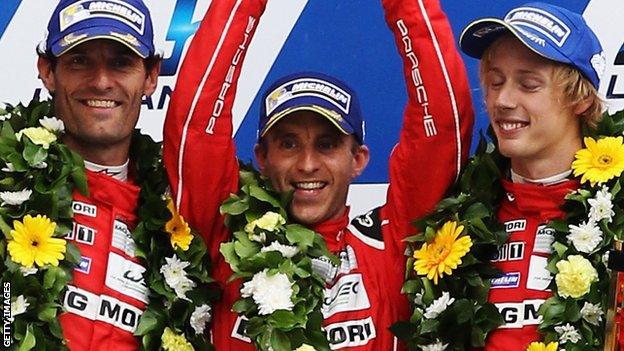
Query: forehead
[
  {"x": 509, "y": 53},
  {"x": 101, "y": 46},
  {"x": 307, "y": 122}
]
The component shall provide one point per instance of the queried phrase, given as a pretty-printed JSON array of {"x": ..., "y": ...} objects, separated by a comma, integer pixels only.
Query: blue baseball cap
[
  {"x": 311, "y": 91},
  {"x": 74, "y": 22},
  {"x": 550, "y": 31}
]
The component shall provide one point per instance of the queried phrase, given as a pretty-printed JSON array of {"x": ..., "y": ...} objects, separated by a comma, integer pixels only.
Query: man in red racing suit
[
  {"x": 363, "y": 293},
  {"x": 98, "y": 62}
]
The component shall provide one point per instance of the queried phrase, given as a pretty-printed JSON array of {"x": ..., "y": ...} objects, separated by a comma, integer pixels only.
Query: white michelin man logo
[{"x": 599, "y": 62}]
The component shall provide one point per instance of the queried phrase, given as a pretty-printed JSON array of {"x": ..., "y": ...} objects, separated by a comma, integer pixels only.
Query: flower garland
[
  {"x": 37, "y": 178},
  {"x": 281, "y": 295},
  {"x": 448, "y": 269}
]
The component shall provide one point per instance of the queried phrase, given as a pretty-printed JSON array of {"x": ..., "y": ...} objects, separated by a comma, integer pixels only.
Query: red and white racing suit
[
  {"x": 108, "y": 293},
  {"x": 525, "y": 211},
  {"x": 363, "y": 295}
]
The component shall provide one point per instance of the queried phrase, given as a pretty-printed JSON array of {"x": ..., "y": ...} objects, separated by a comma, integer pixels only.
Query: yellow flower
[
  {"x": 33, "y": 242},
  {"x": 38, "y": 135},
  {"x": 576, "y": 274},
  {"x": 305, "y": 347},
  {"x": 178, "y": 228},
  {"x": 539, "y": 346},
  {"x": 174, "y": 342},
  {"x": 269, "y": 221},
  {"x": 444, "y": 253},
  {"x": 600, "y": 161}
]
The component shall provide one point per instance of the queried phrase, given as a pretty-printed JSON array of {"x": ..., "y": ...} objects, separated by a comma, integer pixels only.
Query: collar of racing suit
[
  {"x": 544, "y": 202},
  {"x": 333, "y": 230}
]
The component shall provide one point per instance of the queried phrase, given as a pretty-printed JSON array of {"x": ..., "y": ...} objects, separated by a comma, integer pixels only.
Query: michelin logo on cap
[
  {"x": 118, "y": 10},
  {"x": 308, "y": 87},
  {"x": 541, "y": 21}
]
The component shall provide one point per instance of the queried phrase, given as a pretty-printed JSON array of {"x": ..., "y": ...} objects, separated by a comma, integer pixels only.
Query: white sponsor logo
[
  {"x": 83, "y": 234},
  {"x": 308, "y": 87},
  {"x": 118, "y": 10},
  {"x": 122, "y": 238},
  {"x": 509, "y": 280},
  {"x": 518, "y": 314},
  {"x": 238, "y": 332},
  {"x": 101, "y": 308},
  {"x": 599, "y": 63},
  {"x": 515, "y": 226},
  {"x": 348, "y": 294},
  {"x": 513, "y": 251},
  {"x": 539, "y": 277},
  {"x": 351, "y": 333},
  {"x": 542, "y": 21},
  {"x": 126, "y": 277},
  {"x": 84, "y": 266},
  {"x": 84, "y": 209},
  {"x": 323, "y": 266},
  {"x": 544, "y": 238}
]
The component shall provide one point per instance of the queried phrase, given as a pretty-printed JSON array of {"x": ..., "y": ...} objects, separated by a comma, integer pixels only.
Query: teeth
[
  {"x": 101, "y": 103},
  {"x": 511, "y": 126},
  {"x": 310, "y": 185}
]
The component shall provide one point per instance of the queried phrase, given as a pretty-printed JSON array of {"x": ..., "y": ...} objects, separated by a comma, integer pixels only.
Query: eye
[
  {"x": 530, "y": 84},
  {"x": 121, "y": 62},
  {"x": 77, "y": 60},
  {"x": 327, "y": 144},
  {"x": 288, "y": 143}
]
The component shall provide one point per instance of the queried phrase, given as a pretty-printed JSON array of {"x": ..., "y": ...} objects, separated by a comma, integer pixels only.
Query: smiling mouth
[
  {"x": 101, "y": 103},
  {"x": 309, "y": 186},
  {"x": 511, "y": 126}
]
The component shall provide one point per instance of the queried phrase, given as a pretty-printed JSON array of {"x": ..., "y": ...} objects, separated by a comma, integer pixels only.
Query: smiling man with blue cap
[
  {"x": 98, "y": 61},
  {"x": 540, "y": 70}
]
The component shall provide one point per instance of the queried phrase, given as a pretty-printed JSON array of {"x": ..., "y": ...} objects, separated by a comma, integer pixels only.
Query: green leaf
[
  {"x": 47, "y": 312},
  {"x": 280, "y": 341},
  {"x": 299, "y": 235},
  {"x": 34, "y": 154},
  {"x": 29, "y": 341},
  {"x": 147, "y": 323},
  {"x": 234, "y": 205},
  {"x": 262, "y": 195}
]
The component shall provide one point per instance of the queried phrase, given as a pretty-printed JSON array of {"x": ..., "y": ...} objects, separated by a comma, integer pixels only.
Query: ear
[
  {"x": 46, "y": 73},
  {"x": 261, "y": 156},
  {"x": 151, "y": 79},
  {"x": 582, "y": 106},
  {"x": 360, "y": 160}
]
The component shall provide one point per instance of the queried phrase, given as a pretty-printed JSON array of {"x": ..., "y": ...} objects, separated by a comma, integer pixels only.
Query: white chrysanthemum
[
  {"x": 601, "y": 206},
  {"x": 286, "y": 250},
  {"x": 200, "y": 317},
  {"x": 52, "y": 124},
  {"x": 418, "y": 298},
  {"x": 8, "y": 168},
  {"x": 28, "y": 271},
  {"x": 185, "y": 285},
  {"x": 439, "y": 305},
  {"x": 437, "y": 346},
  {"x": 269, "y": 292},
  {"x": 591, "y": 313},
  {"x": 173, "y": 271},
  {"x": 585, "y": 237},
  {"x": 19, "y": 306},
  {"x": 15, "y": 197},
  {"x": 567, "y": 333}
]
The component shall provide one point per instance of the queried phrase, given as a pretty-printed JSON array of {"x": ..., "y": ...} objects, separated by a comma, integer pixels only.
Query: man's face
[
  {"x": 534, "y": 124},
  {"x": 304, "y": 152},
  {"x": 98, "y": 87}
]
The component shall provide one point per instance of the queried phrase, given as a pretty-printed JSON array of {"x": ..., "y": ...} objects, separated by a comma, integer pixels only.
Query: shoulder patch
[{"x": 367, "y": 227}]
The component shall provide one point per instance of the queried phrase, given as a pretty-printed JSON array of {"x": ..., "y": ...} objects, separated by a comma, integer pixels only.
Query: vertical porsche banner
[{"x": 345, "y": 38}]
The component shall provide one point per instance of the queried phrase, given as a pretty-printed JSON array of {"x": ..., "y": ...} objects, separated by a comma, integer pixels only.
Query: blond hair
[{"x": 575, "y": 88}]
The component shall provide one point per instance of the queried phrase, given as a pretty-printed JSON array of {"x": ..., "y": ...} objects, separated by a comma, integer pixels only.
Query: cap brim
[
  {"x": 474, "y": 44},
  {"x": 58, "y": 48},
  {"x": 321, "y": 111}
]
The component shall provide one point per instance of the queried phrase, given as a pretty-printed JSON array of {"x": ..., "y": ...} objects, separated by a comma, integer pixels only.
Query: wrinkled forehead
[{"x": 304, "y": 122}]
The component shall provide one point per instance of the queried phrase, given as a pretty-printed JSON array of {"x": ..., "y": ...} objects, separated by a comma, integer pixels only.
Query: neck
[
  {"x": 105, "y": 155},
  {"x": 553, "y": 163}
]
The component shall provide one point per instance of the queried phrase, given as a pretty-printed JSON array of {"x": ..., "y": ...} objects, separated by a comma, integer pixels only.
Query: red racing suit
[
  {"x": 363, "y": 295},
  {"x": 525, "y": 211},
  {"x": 108, "y": 293}
]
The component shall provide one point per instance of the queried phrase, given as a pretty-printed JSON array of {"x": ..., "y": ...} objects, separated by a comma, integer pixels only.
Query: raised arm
[
  {"x": 437, "y": 123},
  {"x": 199, "y": 152}
]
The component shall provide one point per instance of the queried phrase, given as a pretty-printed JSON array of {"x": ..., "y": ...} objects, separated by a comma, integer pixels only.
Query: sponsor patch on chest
[
  {"x": 351, "y": 333},
  {"x": 348, "y": 294}
]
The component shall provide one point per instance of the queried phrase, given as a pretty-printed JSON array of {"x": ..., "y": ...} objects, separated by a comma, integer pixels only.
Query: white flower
[
  {"x": 585, "y": 237},
  {"x": 19, "y": 306},
  {"x": 439, "y": 305},
  {"x": 184, "y": 286},
  {"x": 591, "y": 313},
  {"x": 8, "y": 168},
  {"x": 437, "y": 346},
  {"x": 28, "y": 271},
  {"x": 568, "y": 333},
  {"x": 200, "y": 317},
  {"x": 269, "y": 292},
  {"x": 601, "y": 206},
  {"x": 173, "y": 271},
  {"x": 259, "y": 238},
  {"x": 40, "y": 165},
  {"x": 52, "y": 124},
  {"x": 15, "y": 197},
  {"x": 418, "y": 298},
  {"x": 286, "y": 250}
]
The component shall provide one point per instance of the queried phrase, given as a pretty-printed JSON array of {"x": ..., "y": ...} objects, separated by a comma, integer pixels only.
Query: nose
[
  {"x": 101, "y": 78},
  {"x": 506, "y": 97},
  {"x": 309, "y": 160}
]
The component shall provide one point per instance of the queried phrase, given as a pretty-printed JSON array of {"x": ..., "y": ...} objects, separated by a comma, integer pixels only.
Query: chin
[{"x": 305, "y": 216}]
